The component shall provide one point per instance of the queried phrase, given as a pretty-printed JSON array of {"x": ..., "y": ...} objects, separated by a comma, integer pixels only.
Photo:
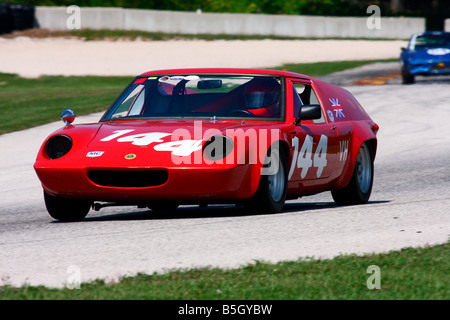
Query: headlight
[
  {"x": 218, "y": 147},
  {"x": 58, "y": 146}
]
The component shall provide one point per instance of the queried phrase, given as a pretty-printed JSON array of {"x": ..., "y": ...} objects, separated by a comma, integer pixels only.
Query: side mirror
[
  {"x": 67, "y": 116},
  {"x": 308, "y": 112},
  {"x": 403, "y": 49}
]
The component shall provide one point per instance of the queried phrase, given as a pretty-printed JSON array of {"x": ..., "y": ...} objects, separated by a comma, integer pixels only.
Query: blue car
[{"x": 427, "y": 53}]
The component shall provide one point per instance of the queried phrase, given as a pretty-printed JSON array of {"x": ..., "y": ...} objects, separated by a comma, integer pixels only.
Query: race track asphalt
[
  {"x": 409, "y": 204},
  {"x": 409, "y": 207}
]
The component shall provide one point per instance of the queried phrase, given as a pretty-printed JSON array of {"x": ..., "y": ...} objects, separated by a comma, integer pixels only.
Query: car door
[
  {"x": 338, "y": 106},
  {"x": 313, "y": 141}
]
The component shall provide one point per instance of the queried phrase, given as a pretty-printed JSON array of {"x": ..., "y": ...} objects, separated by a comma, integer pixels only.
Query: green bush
[
  {"x": 310, "y": 7},
  {"x": 434, "y": 11}
]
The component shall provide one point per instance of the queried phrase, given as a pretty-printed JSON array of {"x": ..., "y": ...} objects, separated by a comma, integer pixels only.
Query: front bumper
[
  {"x": 433, "y": 68},
  {"x": 199, "y": 184}
]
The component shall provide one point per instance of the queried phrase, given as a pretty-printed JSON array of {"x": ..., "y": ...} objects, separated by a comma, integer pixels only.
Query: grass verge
[
  {"x": 104, "y": 34},
  {"x": 318, "y": 69},
  {"x": 131, "y": 35},
  {"x": 25, "y": 103},
  {"x": 408, "y": 274}
]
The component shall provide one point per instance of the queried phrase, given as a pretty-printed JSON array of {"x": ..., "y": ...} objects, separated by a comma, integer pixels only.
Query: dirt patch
[
  {"x": 39, "y": 33},
  {"x": 378, "y": 80},
  {"x": 36, "y": 52}
]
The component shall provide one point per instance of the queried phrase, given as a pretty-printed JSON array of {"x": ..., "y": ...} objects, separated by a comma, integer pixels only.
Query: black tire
[
  {"x": 271, "y": 194},
  {"x": 407, "y": 77},
  {"x": 359, "y": 188},
  {"x": 66, "y": 210}
]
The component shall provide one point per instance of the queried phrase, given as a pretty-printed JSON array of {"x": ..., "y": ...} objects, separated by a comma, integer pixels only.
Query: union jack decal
[
  {"x": 339, "y": 113},
  {"x": 335, "y": 102}
]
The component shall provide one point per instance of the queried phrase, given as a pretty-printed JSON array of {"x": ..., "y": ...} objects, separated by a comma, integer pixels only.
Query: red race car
[{"x": 201, "y": 136}]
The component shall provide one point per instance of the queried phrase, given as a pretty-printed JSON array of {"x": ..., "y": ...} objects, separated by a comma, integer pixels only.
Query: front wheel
[
  {"x": 64, "y": 209},
  {"x": 271, "y": 194},
  {"x": 407, "y": 77},
  {"x": 359, "y": 188}
]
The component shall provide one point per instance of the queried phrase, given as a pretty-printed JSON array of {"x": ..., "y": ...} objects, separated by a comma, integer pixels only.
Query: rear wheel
[
  {"x": 359, "y": 188},
  {"x": 66, "y": 209},
  {"x": 271, "y": 194}
]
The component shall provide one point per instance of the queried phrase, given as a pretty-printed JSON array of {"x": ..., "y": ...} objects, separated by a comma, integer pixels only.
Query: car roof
[
  {"x": 223, "y": 71},
  {"x": 426, "y": 33}
]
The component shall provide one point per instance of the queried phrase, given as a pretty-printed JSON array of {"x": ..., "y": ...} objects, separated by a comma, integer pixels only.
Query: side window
[
  {"x": 138, "y": 104},
  {"x": 297, "y": 100},
  {"x": 127, "y": 103},
  {"x": 313, "y": 100},
  {"x": 306, "y": 95}
]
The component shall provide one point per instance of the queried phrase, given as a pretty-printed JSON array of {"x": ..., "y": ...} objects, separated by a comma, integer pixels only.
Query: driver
[{"x": 263, "y": 97}]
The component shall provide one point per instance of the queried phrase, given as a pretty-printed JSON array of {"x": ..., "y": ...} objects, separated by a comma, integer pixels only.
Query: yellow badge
[{"x": 130, "y": 156}]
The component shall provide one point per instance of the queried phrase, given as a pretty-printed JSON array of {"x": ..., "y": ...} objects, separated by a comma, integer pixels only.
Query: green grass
[
  {"x": 408, "y": 274},
  {"x": 106, "y": 34},
  {"x": 25, "y": 103},
  {"x": 323, "y": 68},
  {"x": 102, "y": 34}
]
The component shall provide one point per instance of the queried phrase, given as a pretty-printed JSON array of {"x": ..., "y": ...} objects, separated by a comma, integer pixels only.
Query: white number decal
[
  {"x": 305, "y": 156},
  {"x": 343, "y": 150},
  {"x": 116, "y": 134},
  {"x": 180, "y": 148},
  {"x": 144, "y": 139},
  {"x": 140, "y": 139},
  {"x": 305, "y": 160},
  {"x": 294, "y": 156},
  {"x": 320, "y": 157}
]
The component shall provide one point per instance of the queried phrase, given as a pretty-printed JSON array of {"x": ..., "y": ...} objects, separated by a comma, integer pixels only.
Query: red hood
[
  {"x": 141, "y": 133},
  {"x": 159, "y": 141}
]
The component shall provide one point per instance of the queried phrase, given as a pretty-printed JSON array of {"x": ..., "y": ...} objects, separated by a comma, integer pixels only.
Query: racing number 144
[{"x": 304, "y": 158}]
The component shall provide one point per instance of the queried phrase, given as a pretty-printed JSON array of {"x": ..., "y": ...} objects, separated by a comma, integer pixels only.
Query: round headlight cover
[
  {"x": 58, "y": 146},
  {"x": 218, "y": 147}
]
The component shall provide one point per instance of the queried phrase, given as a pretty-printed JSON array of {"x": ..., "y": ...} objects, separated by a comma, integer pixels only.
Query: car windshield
[
  {"x": 430, "y": 41},
  {"x": 200, "y": 96}
]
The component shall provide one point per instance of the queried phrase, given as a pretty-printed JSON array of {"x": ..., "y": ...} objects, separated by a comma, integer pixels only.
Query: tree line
[{"x": 434, "y": 10}]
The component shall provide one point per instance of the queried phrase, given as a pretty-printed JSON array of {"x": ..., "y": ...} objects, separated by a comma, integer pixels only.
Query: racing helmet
[{"x": 262, "y": 97}]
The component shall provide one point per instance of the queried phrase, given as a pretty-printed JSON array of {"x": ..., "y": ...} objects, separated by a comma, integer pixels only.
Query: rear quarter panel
[{"x": 352, "y": 123}]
